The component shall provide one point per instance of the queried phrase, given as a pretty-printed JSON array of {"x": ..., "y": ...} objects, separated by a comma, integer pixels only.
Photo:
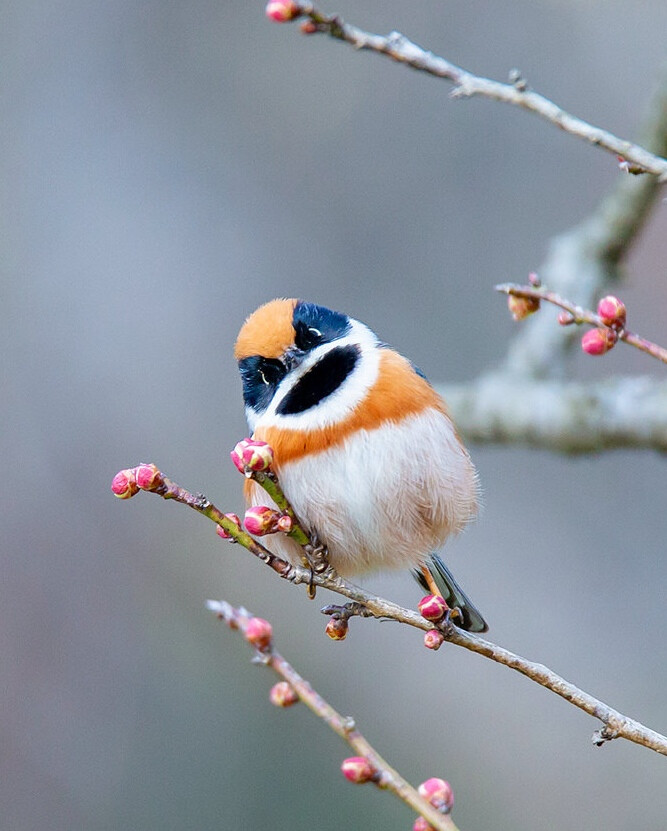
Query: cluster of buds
[
  {"x": 337, "y": 628},
  {"x": 261, "y": 520},
  {"x": 145, "y": 477},
  {"x": 433, "y": 608},
  {"x": 252, "y": 456},
  {"x": 612, "y": 313},
  {"x": 440, "y": 795},
  {"x": 358, "y": 770},
  {"x": 283, "y": 694},
  {"x": 282, "y": 11},
  {"x": 259, "y": 632}
]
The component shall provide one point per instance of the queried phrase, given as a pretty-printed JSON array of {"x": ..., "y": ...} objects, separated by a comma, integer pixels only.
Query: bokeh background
[{"x": 166, "y": 167}]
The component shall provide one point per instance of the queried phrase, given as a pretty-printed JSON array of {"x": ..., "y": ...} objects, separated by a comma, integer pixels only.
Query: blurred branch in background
[
  {"x": 149, "y": 478},
  {"x": 369, "y": 766},
  {"x": 527, "y": 399}
]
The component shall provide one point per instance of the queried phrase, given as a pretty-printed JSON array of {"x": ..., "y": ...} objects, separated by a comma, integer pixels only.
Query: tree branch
[
  {"x": 615, "y": 725},
  {"x": 563, "y": 416},
  {"x": 525, "y": 400},
  {"x": 466, "y": 85},
  {"x": 386, "y": 777}
]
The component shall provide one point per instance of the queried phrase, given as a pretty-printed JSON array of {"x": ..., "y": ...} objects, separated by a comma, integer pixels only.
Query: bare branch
[
  {"x": 387, "y": 778},
  {"x": 563, "y": 416},
  {"x": 466, "y": 85},
  {"x": 615, "y": 724}
]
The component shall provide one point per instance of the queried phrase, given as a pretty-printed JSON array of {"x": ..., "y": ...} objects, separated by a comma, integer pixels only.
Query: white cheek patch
[{"x": 336, "y": 406}]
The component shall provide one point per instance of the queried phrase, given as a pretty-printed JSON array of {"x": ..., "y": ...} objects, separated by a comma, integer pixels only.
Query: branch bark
[
  {"x": 466, "y": 85},
  {"x": 387, "y": 778},
  {"x": 526, "y": 400},
  {"x": 615, "y": 724}
]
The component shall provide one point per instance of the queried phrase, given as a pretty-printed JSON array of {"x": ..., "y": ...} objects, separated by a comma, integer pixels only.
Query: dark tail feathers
[{"x": 470, "y": 619}]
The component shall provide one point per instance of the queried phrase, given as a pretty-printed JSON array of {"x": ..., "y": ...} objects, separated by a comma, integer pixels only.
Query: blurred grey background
[{"x": 167, "y": 167}]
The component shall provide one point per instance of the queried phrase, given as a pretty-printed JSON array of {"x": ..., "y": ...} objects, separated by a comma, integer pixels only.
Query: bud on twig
[
  {"x": 261, "y": 520},
  {"x": 598, "y": 341},
  {"x": 220, "y": 531},
  {"x": 124, "y": 483},
  {"x": 358, "y": 770},
  {"x": 259, "y": 632},
  {"x": 612, "y": 311},
  {"x": 433, "y": 607},
  {"x": 282, "y": 11},
  {"x": 522, "y": 307},
  {"x": 433, "y": 639},
  {"x": 252, "y": 455},
  {"x": 422, "y": 824},
  {"x": 439, "y": 793},
  {"x": 148, "y": 477},
  {"x": 283, "y": 694},
  {"x": 337, "y": 628}
]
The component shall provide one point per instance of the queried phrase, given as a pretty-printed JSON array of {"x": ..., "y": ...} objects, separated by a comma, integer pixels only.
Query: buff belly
[{"x": 385, "y": 498}]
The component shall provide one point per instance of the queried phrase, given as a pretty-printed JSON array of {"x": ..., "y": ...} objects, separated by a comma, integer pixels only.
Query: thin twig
[
  {"x": 615, "y": 724},
  {"x": 579, "y": 315},
  {"x": 388, "y": 778},
  {"x": 399, "y": 48}
]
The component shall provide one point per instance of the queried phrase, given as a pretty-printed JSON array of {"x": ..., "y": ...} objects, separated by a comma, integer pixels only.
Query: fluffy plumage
[{"x": 364, "y": 447}]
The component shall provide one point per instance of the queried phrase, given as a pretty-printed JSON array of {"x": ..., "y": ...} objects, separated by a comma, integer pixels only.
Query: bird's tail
[{"x": 440, "y": 576}]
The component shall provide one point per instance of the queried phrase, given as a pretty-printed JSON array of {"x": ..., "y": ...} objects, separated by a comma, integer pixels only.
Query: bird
[{"x": 364, "y": 447}]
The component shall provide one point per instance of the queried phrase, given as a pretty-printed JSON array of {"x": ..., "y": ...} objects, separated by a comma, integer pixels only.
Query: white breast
[{"x": 386, "y": 498}]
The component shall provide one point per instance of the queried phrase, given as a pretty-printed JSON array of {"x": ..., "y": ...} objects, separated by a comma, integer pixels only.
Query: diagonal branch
[
  {"x": 467, "y": 85},
  {"x": 615, "y": 724},
  {"x": 385, "y": 777}
]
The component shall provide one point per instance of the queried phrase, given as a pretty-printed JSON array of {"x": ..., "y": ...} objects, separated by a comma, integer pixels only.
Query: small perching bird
[{"x": 364, "y": 448}]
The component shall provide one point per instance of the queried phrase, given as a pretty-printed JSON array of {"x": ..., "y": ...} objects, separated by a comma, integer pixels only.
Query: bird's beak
[{"x": 293, "y": 358}]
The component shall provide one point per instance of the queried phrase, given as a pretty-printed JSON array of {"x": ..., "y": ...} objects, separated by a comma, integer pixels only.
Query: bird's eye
[
  {"x": 307, "y": 337},
  {"x": 270, "y": 371}
]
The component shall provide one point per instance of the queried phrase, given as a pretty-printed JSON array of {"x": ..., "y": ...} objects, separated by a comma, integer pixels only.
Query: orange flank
[
  {"x": 268, "y": 331},
  {"x": 397, "y": 393}
]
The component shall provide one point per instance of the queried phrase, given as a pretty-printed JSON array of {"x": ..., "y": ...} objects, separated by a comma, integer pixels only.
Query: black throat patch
[{"x": 321, "y": 380}]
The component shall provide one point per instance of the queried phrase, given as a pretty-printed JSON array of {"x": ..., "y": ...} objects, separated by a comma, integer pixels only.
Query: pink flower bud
[
  {"x": 285, "y": 523},
  {"x": 611, "y": 311},
  {"x": 252, "y": 454},
  {"x": 358, "y": 769},
  {"x": 433, "y": 639},
  {"x": 260, "y": 520},
  {"x": 148, "y": 477},
  {"x": 124, "y": 483},
  {"x": 534, "y": 280},
  {"x": 439, "y": 793},
  {"x": 220, "y": 531},
  {"x": 565, "y": 318},
  {"x": 432, "y": 607},
  {"x": 422, "y": 824},
  {"x": 598, "y": 341},
  {"x": 337, "y": 628},
  {"x": 308, "y": 27},
  {"x": 283, "y": 694},
  {"x": 282, "y": 11},
  {"x": 521, "y": 307},
  {"x": 259, "y": 632}
]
